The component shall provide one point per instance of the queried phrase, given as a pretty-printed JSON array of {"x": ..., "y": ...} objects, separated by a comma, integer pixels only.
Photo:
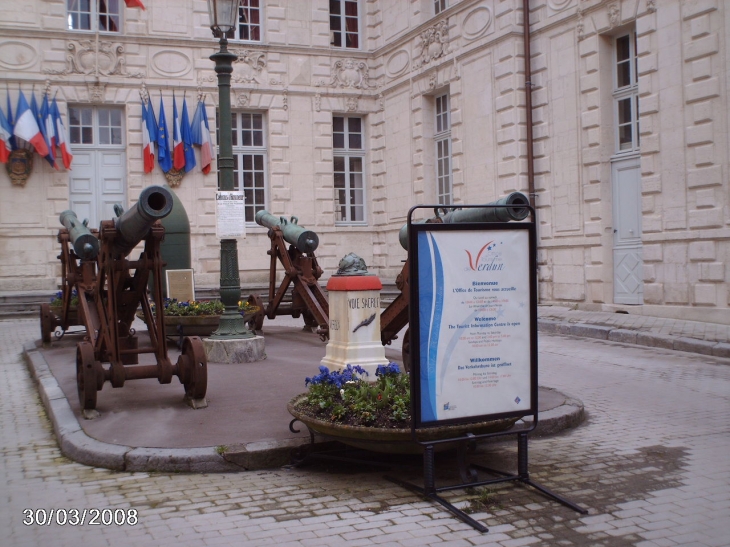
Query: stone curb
[
  {"x": 266, "y": 454},
  {"x": 639, "y": 338}
]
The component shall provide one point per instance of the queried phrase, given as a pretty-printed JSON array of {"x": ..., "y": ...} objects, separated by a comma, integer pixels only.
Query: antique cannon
[
  {"x": 109, "y": 295},
  {"x": 514, "y": 206},
  {"x": 306, "y": 241},
  {"x": 511, "y": 207},
  {"x": 301, "y": 270},
  {"x": 79, "y": 249}
]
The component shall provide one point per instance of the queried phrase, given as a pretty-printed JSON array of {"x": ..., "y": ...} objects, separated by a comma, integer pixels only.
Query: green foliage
[
  {"x": 201, "y": 307},
  {"x": 383, "y": 403}
]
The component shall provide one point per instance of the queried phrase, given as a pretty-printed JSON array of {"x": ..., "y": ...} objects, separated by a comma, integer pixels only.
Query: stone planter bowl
[{"x": 392, "y": 441}]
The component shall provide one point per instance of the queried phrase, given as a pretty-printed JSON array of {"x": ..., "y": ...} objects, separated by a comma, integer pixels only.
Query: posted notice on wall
[
  {"x": 474, "y": 323},
  {"x": 230, "y": 215}
]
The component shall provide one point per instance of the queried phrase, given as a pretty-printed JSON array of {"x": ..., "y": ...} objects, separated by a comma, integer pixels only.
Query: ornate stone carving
[
  {"x": 95, "y": 58},
  {"x": 431, "y": 44},
  {"x": 579, "y": 26},
  {"x": 248, "y": 67},
  {"x": 174, "y": 177},
  {"x": 285, "y": 99},
  {"x": 96, "y": 92},
  {"x": 352, "y": 104},
  {"x": 318, "y": 102},
  {"x": 614, "y": 15},
  {"x": 243, "y": 98},
  {"x": 350, "y": 73},
  {"x": 651, "y": 6},
  {"x": 19, "y": 166},
  {"x": 558, "y": 5}
]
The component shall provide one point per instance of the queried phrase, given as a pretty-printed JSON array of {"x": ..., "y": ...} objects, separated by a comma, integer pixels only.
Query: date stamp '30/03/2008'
[{"x": 80, "y": 517}]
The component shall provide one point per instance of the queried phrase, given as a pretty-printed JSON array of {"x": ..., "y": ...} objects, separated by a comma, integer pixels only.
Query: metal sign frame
[{"x": 423, "y": 367}]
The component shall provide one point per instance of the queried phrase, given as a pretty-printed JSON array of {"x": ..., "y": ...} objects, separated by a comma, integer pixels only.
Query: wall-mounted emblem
[{"x": 19, "y": 166}]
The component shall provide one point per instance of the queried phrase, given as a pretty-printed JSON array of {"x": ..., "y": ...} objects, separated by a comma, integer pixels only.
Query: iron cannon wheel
[
  {"x": 48, "y": 324},
  {"x": 86, "y": 375},
  {"x": 195, "y": 377}
]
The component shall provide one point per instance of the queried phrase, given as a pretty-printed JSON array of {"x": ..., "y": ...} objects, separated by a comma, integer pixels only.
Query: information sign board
[
  {"x": 230, "y": 215},
  {"x": 473, "y": 321}
]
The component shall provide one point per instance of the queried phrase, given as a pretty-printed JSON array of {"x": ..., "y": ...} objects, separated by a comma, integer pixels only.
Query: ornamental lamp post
[{"x": 223, "y": 17}]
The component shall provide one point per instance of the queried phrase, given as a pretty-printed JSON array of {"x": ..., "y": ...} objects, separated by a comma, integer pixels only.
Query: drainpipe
[{"x": 528, "y": 102}]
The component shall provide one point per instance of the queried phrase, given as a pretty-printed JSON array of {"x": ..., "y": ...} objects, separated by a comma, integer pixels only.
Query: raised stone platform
[{"x": 246, "y": 350}]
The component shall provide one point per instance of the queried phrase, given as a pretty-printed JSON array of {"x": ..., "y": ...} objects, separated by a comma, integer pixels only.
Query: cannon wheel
[
  {"x": 87, "y": 375},
  {"x": 48, "y": 323},
  {"x": 195, "y": 376},
  {"x": 406, "y": 351},
  {"x": 256, "y": 323}
]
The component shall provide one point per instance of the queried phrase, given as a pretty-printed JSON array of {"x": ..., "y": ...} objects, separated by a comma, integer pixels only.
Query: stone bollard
[{"x": 354, "y": 306}]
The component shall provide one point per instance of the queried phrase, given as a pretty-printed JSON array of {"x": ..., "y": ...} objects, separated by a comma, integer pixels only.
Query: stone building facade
[{"x": 356, "y": 110}]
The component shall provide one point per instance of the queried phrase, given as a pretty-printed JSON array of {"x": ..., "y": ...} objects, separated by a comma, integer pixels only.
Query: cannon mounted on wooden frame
[{"x": 110, "y": 289}]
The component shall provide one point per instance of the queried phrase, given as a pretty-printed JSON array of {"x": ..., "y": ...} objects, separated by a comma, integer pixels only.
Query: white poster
[
  {"x": 474, "y": 323},
  {"x": 230, "y": 215}
]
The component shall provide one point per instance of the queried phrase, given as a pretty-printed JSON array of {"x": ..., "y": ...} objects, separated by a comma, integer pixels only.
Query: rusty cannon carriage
[
  {"x": 292, "y": 245},
  {"x": 395, "y": 317},
  {"x": 110, "y": 288}
]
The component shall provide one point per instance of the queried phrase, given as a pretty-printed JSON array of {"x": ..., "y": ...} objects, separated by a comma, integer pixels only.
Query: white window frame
[
  {"x": 439, "y": 6},
  {"x": 347, "y": 153},
  {"x": 254, "y": 149},
  {"x": 95, "y": 126},
  {"x": 343, "y": 25},
  {"x": 73, "y": 6},
  {"x": 628, "y": 92},
  {"x": 243, "y": 12},
  {"x": 442, "y": 139}
]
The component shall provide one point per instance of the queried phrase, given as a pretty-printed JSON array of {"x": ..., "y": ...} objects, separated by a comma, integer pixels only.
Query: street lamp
[{"x": 223, "y": 17}]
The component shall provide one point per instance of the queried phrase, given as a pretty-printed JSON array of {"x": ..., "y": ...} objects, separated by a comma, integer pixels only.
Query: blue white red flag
[
  {"x": 164, "y": 154},
  {"x": 13, "y": 144},
  {"x": 149, "y": 137},
  {"x": 187, "y": 138},
  {"x": 49, "y": 131},
  {"x": 41, "y": 125},
  {"x": 178, "y": 151},
  {"x": 5, "y": 132},
  {"x": 26, "y": 126},
  {"x": 201, "y": 137},
  {"x": 60, "y": 136}
]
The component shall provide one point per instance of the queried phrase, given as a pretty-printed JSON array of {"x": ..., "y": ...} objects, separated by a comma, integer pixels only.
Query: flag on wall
[
  {"x": 178, "y": 151},
  {"x": 164, "y": 154},
  {"x": 60, "y": 136},
  {"x": 26, "y": 126},
  {"x": 149, "y": 131},
  {"x": 41, "y": 125},
  {"x": 187, "y": 138},
  {"x": 134, "y": 4},
  {"x": 5, "y": 132},
  {"x": 49, "y": 131},
  {"x": 13, "y": 144},
  {"x": 201, "y": 137}
]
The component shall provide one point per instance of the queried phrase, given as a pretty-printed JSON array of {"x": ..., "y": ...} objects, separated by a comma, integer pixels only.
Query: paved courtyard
[{"x": 650, "y": 463}]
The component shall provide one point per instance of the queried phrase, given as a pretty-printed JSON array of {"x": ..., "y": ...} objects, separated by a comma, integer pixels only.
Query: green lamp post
[{"x": 223, "y": 17}]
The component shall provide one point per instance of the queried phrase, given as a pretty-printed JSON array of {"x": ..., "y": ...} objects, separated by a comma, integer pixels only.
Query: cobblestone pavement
[{"x": 651, "y": 464}]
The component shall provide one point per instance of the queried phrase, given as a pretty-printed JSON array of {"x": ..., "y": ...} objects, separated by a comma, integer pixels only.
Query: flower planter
[
  {"x": 392, "y": 441},
  {"x": 194, "y": 325},
  {"x": 73, "y": 314}
]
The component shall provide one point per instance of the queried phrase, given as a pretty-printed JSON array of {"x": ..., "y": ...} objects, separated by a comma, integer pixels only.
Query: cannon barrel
[
  {"x": 155, "y": 203},
  {"x": 85, "y": 244},
  {"x": 306, "y": 241},
  {"x": 517, "y": 209}
]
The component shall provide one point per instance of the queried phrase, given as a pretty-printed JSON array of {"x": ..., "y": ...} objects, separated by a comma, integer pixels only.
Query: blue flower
[{"x": 385, "y": 370}]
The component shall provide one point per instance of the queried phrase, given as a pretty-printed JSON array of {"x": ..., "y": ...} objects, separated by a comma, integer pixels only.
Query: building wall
[{"x": 299, "y": 81}]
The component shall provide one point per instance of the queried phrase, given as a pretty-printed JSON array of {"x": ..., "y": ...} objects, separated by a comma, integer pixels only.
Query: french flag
[
  {"x": 5, "y": 133},
  {"x": 60, "y": 136},
  {"x": 149, "y": 137},
  {"x": 201, "y": 137},
  {"x": 49, "y": 130},
  {"x": 134, "y": 4},
  {"x": 178, "y": 148},
  {"x": 26, "y": 127}
]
